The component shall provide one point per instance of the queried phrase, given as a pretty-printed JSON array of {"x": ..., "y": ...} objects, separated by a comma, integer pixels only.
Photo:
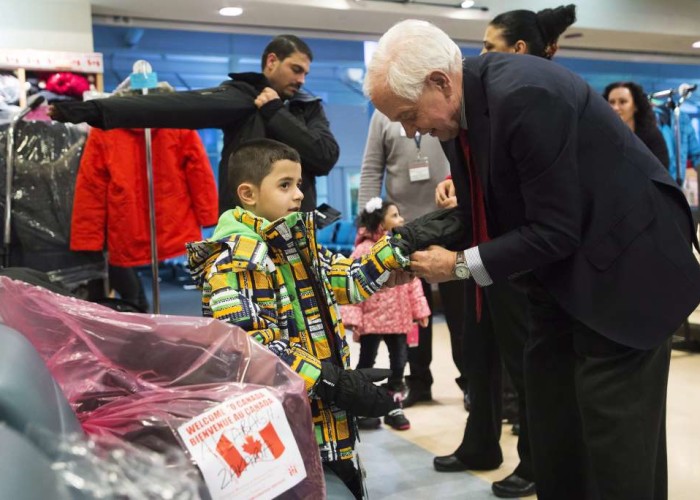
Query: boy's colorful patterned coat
[
  {"x": 392, "y": 310},
  {"x": 266, "y": 278}
]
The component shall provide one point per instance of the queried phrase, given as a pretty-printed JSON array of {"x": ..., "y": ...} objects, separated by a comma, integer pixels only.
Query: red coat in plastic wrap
[
  {"x": 111, "y": 194},
  {"x": 198, "y": 383}
]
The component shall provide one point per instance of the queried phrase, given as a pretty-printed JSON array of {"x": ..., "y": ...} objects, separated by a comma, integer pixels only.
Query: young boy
[{"x": 263, "y": 271}]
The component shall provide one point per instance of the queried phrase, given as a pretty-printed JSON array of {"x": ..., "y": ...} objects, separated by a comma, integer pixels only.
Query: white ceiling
[{"x": 668, "y": 27}]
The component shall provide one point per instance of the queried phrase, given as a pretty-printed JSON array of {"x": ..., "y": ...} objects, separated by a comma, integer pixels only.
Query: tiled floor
[
  {"x": 437, "y": 429},
  {"x": 399, "y": 464}
]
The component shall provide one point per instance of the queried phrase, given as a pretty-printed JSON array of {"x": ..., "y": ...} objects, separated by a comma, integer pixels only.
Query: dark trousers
[
  {"x": 597, "y": 410},
  {"x": 419, "y": 357},
  {"x": 126, "y": 282},
  {"x": 502, "y": 332},
  {"x": 453, "y": 295},
  {"x": 348, "y": 474},
  {"x": 396, "y": 345}
]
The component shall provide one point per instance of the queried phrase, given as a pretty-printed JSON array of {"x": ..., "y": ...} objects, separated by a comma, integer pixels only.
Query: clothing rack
[
  {"x": 144, "y": 78},
  {"x": 21, "y": 62},
  {"x": 24, "y": 62},
  {"x": 684, "y": 92}
]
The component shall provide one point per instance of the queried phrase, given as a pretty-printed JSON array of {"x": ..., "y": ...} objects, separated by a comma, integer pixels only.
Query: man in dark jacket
[
  {"x": 270, "y": 104},
  {"x": 565, "y": 200}
]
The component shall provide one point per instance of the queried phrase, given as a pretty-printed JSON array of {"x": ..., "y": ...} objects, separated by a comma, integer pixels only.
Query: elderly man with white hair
[{"x": 563, "y": 199}]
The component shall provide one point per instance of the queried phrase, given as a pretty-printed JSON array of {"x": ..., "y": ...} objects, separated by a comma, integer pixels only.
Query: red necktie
[{"x": 479, "y": 228}]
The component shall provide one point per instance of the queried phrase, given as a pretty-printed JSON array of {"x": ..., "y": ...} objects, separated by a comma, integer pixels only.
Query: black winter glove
[
  {"x": 354, "y": 391},
  {"x": 75, "y": 112},
  {"x": 447, "y": 228}
]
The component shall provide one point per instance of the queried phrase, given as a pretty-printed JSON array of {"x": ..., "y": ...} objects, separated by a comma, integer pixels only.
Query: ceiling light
[
  {"x": 467, "y": 4},
  {"x": 696, "y": 45},
  {"x": 231, "y": 11}
]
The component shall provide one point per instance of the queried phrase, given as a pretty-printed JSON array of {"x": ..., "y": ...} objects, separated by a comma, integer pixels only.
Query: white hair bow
[{"x": 373, "y": 204}]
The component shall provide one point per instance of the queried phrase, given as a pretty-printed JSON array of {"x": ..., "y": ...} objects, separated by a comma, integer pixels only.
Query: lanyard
[{"x": 417, "y": 138}]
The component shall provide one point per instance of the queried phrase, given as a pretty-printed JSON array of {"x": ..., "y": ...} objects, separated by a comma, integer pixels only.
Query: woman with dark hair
[
  {"x": 528, "y": 32},
  {"x": 630, "y": 103}
]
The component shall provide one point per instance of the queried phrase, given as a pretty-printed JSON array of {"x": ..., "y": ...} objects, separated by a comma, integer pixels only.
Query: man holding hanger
[{"x": 270, "y": 104}]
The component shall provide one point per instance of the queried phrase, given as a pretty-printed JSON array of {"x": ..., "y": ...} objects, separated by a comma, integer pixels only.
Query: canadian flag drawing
[
  {"x": 244, "y": 447},
  {"x": 251, "y": 448}
]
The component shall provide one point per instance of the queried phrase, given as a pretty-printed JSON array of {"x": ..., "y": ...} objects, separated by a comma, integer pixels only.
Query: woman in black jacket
[{"x": 630, "y": 103}]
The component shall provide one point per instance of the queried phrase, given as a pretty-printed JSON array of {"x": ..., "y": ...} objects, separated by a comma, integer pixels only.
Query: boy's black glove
[
  {"x": 354, "y": 391},
  {"x": 447, "y": 228}
]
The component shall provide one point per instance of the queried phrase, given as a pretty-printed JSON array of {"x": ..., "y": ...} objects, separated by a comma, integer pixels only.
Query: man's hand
[
  {"x": 450, "y": 202},
  {"x": 268, "y": 94},
  {"x": 435, "y": 264},
  {"x": 445, "y": 196}
]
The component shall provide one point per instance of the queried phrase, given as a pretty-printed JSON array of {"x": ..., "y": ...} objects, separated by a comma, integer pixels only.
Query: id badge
[{"x": 419, "y": 169}]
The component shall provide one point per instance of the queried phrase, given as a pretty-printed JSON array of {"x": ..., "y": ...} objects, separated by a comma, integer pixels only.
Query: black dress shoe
[
  {"x": 513, "y": 486},
  {"x": 450, "y": 463},
  {"x": 467, "y": 402},
  {"x": 416, "y": 396}
]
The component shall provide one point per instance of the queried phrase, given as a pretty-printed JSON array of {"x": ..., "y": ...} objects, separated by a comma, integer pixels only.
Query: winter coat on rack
[
  {"x": 690, "y": 147},
  {"x": 111, "y": 194},
  {"x": 391, "y": 310},
  {"x": 299, "y": 122}
]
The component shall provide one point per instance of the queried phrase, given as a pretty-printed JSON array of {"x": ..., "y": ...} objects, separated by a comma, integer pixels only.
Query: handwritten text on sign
[{"x": 245, "y": 447}]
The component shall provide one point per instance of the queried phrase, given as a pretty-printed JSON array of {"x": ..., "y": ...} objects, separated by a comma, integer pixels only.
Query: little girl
[{"x": 388, "y": 315}]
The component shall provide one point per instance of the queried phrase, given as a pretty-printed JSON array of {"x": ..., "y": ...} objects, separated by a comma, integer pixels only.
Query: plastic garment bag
[
  {"x": 141, "y": 377},
  {"x": 46, "y": 160}
]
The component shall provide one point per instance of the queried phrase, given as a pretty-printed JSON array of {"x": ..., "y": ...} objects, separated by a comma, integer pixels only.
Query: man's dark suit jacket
[{"x": 574, "y": 196}]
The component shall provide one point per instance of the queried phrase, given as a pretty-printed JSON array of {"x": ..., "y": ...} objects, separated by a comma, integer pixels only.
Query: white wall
[{"x": 64, "y": 25}]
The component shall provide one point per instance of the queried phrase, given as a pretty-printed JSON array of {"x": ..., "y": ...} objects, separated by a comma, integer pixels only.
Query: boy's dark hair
[
  {"x": 252, "y": 162},
  {"x": 372, "y": 220},
  {"x": 284, "y": 46}
]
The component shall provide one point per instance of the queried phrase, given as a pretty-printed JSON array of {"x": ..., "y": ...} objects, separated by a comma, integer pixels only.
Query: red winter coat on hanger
[{"x": 111, "y": 194}]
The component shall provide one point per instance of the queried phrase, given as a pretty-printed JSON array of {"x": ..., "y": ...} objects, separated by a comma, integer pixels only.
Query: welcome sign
[{"x": 245, "y": 447}]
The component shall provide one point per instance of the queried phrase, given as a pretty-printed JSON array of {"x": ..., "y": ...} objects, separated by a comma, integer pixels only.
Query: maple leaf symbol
[{"x": 252, "y": 446}]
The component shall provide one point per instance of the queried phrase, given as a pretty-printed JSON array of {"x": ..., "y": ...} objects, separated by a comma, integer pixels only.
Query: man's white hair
[{"x": 407, "y": 54}]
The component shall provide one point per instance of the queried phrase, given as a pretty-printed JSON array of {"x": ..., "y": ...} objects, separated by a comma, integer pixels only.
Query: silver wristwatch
[{"x": 461, "y": 270}]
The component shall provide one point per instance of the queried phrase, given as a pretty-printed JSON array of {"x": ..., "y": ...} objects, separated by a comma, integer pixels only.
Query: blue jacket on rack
[{"x": 690, "y": 147}]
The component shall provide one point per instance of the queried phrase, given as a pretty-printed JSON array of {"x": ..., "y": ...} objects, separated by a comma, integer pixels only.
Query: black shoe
[
  {"x": 416, "y": 396},
  {"x": 397, "y": 420},
  {"x": 513, "y": 486},
  {"x": 450, "y": 463},
  {"x": 368, "y": 423}
]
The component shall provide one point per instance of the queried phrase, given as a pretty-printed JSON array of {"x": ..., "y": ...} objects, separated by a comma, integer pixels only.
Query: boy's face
[{"x": 279, "y": 193}]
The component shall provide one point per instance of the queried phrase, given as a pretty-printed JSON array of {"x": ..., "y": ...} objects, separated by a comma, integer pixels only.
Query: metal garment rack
[
  {"x": 144, "y": 78},
  {"x": 684, "y": 92}
]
